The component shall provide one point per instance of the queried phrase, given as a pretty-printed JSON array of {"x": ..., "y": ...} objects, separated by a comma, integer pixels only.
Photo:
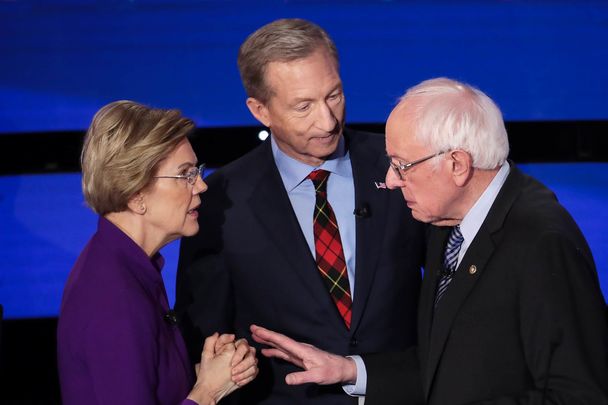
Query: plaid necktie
[
  {"x": 450, "y": 259},
  {"x": 328, "y": 247}
]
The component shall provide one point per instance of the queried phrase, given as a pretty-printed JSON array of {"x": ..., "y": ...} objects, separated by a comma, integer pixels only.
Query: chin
[
  {"x": 325, "y": 151},
  {"x": 190, "y": 230},
  {"x": 422, "y": 218}
]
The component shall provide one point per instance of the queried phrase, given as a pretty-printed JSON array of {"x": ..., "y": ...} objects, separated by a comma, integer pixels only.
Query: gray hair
[
  {"x": 448, "y": 115},
  {"x": 282, "y": 40}
]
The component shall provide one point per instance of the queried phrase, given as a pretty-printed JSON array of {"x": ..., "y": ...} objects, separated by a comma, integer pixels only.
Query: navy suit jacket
[
  {"x": 250, "y": 264},
  {"x": 522, "y": 322}
]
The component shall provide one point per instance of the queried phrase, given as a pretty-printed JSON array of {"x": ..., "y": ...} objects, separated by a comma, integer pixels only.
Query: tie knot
[
  {"x": 319, "y": 179},
  {"x": 456, "y": 237}
]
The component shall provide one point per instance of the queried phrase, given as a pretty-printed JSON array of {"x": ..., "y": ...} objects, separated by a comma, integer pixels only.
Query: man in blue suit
[{"x": 299, "y": 234}]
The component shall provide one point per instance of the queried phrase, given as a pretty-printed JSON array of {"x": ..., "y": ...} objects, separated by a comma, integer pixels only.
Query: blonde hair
[
  {"x": 122, "y": 149},
  {"x": 282, "y": 40}
]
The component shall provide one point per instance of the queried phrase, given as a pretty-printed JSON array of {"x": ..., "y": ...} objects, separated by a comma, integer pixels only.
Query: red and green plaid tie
[{"x": 328, "y": 247}]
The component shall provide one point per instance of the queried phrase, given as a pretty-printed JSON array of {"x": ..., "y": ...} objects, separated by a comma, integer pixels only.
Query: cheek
[{"x": 338, "y": 111}]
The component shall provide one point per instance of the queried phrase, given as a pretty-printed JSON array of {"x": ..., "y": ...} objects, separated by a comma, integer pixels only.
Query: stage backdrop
[
  {"x": 63, "y": 59},
  {"x": 45, "y": 224}
]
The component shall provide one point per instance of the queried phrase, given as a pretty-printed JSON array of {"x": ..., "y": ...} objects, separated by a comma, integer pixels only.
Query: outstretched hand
[{"x": 320, "y": 367}]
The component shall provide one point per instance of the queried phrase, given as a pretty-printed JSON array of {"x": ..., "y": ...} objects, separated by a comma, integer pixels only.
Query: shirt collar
[
  {"x": 477, "y": 214},
  {"x": 293, "y": 172}
]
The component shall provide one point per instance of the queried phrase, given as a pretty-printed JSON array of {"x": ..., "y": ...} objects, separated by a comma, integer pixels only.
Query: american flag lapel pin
[{"x": 379, "y": 184}]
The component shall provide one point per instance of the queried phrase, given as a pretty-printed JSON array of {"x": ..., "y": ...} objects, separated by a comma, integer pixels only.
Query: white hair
[{"x": 448, "y": 115}]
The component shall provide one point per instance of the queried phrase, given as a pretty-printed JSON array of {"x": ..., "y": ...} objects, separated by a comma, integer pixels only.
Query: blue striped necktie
[{"x": 450, "y": 259}]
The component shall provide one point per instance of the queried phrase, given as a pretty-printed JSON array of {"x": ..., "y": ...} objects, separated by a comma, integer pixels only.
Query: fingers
[
  {"x": 255, "y": 335},
  {"x": 223, "y": 340},
  {"x": 242, "y": 349},
  {"x": 209, "y": 346},
  {"x": 247, "y": 380},
  {"x": 279, "y": 341},
  {"x": 301, "y": 377},
  {"x": 246, "y": 370},
  {"x": 248, "y": 361},
  {"x": 283, "y": 356}
]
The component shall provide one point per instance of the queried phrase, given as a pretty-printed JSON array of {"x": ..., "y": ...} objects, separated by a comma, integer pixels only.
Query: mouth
[
  {"x": 327, "y": 139},
  {"x": 193, "y": 212},
  {"x": 331, "y": 135}
]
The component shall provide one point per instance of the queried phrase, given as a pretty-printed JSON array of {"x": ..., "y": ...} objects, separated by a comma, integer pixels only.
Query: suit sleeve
[
  {"x": 393, "y": 378},
  {"x": 563, "y": 328},
  {"x": 204, "y": 302}
]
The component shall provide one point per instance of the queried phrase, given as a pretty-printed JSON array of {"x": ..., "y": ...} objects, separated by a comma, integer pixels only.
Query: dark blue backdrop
[
  {"x": 61, "y": 60},
  {"x": 45, "y": 225}
]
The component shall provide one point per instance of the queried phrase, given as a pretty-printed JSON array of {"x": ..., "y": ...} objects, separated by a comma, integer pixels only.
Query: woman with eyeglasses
[{"x": 118, "y": 342}]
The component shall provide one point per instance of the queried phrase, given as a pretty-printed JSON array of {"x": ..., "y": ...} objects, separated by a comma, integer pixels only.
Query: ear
[
  {"x": 259, "y": 111},
  {"x": 137, "y": 204},
  {"x": 462, "y": 166}
]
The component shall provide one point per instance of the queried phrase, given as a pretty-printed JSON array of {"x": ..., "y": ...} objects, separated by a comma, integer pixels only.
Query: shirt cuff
[{"x": 360, "y": 386}]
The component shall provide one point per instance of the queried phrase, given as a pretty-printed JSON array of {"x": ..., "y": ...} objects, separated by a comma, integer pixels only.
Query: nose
[
  {"x": 200, "y": 186},
  {"x": 326, "y": 119},
  {"x": 392, "y": 180}
]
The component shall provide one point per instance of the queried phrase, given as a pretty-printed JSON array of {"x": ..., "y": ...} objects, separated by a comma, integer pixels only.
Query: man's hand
[{"x": 320, "y": 367}]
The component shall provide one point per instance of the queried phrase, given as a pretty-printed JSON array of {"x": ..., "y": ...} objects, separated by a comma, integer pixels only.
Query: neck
[
  {"x": 479, "y": 182},
  {"x": 133, "y": 225}
]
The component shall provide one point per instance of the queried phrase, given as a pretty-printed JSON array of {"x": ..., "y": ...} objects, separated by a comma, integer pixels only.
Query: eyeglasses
[
  {"x": 401, "y": 168},
  {"x": 191, "y": 175}
]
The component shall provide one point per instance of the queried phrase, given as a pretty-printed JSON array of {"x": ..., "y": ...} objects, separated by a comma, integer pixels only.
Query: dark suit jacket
[
  {"x": 250, "y": 264},
  {"x": 526, "y": 325}
]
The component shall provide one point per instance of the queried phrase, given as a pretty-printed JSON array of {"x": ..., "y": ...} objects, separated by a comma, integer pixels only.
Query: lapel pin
[
  {"x": 379, "y": 184},
  {"x": 472, "y": 269}
]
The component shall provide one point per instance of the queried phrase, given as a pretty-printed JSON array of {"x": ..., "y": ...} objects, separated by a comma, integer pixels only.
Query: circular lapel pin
[{"x": 472, "y": 269}]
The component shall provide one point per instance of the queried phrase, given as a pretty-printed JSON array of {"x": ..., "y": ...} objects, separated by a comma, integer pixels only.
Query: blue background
[
  {"x": 62, "y": 60},
  {"x": 45, "y": 224}
]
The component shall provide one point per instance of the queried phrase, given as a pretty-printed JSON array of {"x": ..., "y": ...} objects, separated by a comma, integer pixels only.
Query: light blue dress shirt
[
  {"x": 469, "y": 226},
  {"x": 340, "y": 194}
]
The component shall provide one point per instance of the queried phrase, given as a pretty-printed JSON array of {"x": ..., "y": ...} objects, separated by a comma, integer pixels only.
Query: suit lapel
[
  {"x": 470, "y": 269},
  {"x": 464, "y": 281},
  {"x": 271, "y": 206},
  {"x": 433, "y": 268},
  {"x": 368, "y": 167}
]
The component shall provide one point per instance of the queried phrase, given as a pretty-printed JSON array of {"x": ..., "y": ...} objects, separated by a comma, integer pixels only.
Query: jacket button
[{"x": 354, "y": 342}]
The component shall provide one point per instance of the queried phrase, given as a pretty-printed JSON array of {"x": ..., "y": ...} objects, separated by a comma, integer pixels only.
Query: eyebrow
[
  {"x": 337, "y": 87},
  {"x": 185, "y": 165},
  {"x": 397, "y": 157},
  {"x": 299, "y": 100}
]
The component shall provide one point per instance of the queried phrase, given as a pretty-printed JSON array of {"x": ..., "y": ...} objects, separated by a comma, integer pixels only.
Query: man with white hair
[{"x": 510, "y": 311}]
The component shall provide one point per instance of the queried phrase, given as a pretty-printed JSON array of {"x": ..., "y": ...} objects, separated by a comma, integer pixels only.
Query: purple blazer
[{"x": 115, "y": 343}]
